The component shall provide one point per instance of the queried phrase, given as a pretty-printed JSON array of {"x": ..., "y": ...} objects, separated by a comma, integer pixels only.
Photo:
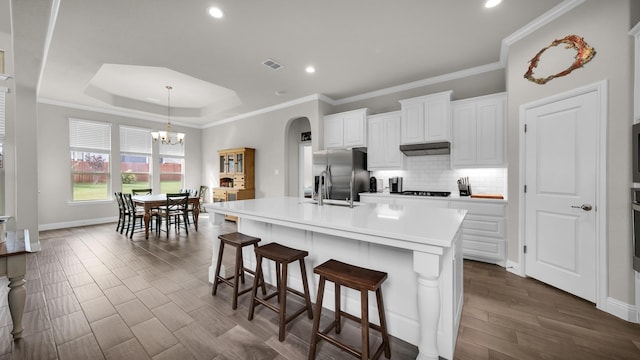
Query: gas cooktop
[{"x": 426, "y": 193}]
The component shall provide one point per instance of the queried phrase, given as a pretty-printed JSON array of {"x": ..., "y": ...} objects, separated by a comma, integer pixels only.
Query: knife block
[{"x": 465, "y": 190}]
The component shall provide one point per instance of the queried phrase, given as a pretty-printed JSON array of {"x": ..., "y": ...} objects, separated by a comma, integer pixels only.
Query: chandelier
[{"x": 166, "y": 136}]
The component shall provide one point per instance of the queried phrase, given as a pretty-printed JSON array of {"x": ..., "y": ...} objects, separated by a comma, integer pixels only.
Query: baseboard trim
[
  {"x": 622, "y": 310},
  {"x": 69, "y": 224},
  {"x": 514, "y": 268}
]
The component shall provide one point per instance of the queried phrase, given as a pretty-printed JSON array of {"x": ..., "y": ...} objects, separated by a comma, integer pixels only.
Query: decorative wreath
[{"x": 584, "y": 54}]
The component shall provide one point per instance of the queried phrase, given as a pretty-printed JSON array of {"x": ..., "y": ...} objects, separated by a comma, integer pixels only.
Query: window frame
[
  {"x": 146, "y": 133},
  {"x": 74, "y": 149}
]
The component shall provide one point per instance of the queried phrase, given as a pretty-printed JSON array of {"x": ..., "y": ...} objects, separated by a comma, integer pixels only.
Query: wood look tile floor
[{"x": 95, "y": 294}]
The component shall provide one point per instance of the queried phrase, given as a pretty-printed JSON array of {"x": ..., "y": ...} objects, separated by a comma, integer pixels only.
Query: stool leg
[
  {"x": 282, "y": 291},
  {"x": 364, "y": 300},
  {"x": 254, "y": 291},
  {"x": 261, "y": 277},
  {"x": 316, "y": 319},
  {"x": 216, "y": 278},
  {"x": 337, "y": 313},
  {"x": 241, "y": 268},
  {"x": 278, "y": 285},
  {"x": 236, "y": 272},
  {"x": 383, "y": 324},
  {"x": 305, "y": 285}
]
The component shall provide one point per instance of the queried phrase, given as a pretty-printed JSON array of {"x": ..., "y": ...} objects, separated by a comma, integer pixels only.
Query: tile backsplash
[{"x": 434, "y": 173}]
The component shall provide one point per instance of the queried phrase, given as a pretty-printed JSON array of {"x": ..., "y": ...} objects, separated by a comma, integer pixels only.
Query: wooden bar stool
[
  {"x": 357, "y": 278},
  {"x": 239, "y": 241},
  {"x": 282, "y": 256}
]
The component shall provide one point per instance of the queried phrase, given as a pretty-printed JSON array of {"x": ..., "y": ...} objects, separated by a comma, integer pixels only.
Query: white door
[{"x": 560, "y": 199}]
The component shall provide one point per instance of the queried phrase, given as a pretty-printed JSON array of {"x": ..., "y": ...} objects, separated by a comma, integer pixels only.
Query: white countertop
[
  {"x": 453, "y": 197},
  {"x": 407, "y": 226}
]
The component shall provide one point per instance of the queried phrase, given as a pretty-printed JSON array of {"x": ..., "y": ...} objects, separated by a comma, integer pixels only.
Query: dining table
[{"x": 152, "y": 201}]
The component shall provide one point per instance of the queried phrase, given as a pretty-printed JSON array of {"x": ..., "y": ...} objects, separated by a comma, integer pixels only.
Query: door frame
[{"x": 602, "y": 268}]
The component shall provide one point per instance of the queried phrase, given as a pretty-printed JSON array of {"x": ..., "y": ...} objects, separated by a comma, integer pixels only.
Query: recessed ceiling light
[
  {"x": 491, "y": 3},
  {"x": 310, "y": 69},
  {"x": 215, "y": 12}
]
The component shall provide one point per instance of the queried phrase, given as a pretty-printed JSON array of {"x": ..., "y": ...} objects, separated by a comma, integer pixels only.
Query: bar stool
[
  {"x": 282, "y": 256},
  {"x": 357, "y": 278},
  {"x": 239, "y": 241}
]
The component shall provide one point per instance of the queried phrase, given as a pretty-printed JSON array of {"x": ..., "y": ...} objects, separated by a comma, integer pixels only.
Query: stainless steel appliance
[
  {"x": 436, "y": 148},
  {"x": 635, "y": 238},
  {"x": 635, "y": 166},
  {"x": 395, "y": 184},
  {"x": 345, "y": 173},
  {"x": 426, "y": 193}
]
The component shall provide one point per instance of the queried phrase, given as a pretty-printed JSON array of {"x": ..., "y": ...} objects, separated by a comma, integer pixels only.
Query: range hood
[{"x": 436, "y": 148}]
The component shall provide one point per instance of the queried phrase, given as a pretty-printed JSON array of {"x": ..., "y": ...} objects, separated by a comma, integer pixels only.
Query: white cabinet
[
  {"x": 484, "y": 231},
  {"x": 383, "y": 142},
  {"x": 347, "y": 129},
  {"x": 479, "y": 132},
  {"x": 426, "y": 118}
]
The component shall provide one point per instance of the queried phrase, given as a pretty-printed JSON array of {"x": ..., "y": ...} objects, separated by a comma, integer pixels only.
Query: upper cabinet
[
  {"x": 426, "y": 118},
  {"x": 479, "y": 132},
  {"x": 345, "y": 130},
  {"x": 383, "y": 140}
]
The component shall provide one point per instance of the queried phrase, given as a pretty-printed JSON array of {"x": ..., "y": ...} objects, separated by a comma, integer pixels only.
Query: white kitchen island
[{"x": 418, "y": 246}]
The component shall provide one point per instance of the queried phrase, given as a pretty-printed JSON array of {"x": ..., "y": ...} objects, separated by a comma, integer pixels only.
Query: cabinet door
[
  {"x": 412, "y": 124},
  {"x": 376, "y": 143},
  {"x": 463, "y": 152},
  {"x": 392, "y": 155},
  {"x": 354, "y": 133},
  {"x": 491, "y": 132},
  {"x": 437, "y": 119},
  {"x": 239, "y": 163},
  {"x": 223, "y": 163},
  {"x": 333, "y": 131}
]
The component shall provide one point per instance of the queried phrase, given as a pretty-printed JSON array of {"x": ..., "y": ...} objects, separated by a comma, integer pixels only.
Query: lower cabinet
[{"x": 484, "y": 233}]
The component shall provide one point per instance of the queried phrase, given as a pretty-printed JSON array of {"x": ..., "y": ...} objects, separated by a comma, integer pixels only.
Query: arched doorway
[{"x": 298, "y": 157}]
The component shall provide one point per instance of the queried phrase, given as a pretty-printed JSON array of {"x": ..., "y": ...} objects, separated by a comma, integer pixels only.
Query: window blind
[
  {"x": 85, "y": 134},
  {"x": 172, "y": 150},
  {"x": 135, "y": 140},
  {"x": 2, "y": 113}
]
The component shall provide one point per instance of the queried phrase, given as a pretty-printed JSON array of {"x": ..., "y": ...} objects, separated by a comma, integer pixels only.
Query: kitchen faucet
[{"x": 323, "y": 174}]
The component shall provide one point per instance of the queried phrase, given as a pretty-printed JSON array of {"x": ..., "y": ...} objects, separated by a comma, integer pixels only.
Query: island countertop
[{"x": 411, "y": 226}]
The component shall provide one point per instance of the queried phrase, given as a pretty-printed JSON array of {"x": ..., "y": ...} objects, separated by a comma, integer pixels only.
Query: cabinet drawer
[
  {"x": 480, "y": 208},
  {"x": 479, "y": 248},
  {"x": 484, "y": 226}
]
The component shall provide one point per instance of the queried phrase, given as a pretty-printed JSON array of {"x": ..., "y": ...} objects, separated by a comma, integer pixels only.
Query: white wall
[
  {"x": 54, "y": 186},
  {"x": 604, "y": 25},
  {"x": 267, "y": 133}
]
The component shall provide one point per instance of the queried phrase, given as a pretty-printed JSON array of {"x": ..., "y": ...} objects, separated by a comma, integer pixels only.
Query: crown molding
[
  {"x": 314, "y": 97},
  {"x": 116, "y": 112},
  {"x": 635, "y": 31}
]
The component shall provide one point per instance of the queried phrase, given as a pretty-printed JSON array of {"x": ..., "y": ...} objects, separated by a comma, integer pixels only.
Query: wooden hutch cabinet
[{"x": 237, "y": 174}]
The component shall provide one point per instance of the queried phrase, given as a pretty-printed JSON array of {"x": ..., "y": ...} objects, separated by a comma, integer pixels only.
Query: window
[
  {"x": 171, "y": 168},
  {"x": 135, "y": 158},
  {"x": 2, "y": 121},
  {"x": 90, "y": 147}
]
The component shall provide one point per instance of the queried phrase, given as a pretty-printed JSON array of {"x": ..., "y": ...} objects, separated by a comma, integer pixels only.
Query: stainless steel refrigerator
[{"x": 346, "y": 173}]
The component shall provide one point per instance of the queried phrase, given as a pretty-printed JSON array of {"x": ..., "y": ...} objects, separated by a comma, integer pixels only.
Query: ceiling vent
[{"x": 272, "y": 64}]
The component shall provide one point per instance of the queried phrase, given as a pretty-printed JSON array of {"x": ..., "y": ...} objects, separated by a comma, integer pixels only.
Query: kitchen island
[{"x": 418, "y": 246}]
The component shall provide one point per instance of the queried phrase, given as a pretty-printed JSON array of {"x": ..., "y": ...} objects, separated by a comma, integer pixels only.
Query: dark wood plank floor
[{"x": 93, "y": 294}]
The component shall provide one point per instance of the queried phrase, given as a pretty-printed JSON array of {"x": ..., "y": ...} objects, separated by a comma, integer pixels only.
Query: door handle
[{"x": 585, "y": 207}]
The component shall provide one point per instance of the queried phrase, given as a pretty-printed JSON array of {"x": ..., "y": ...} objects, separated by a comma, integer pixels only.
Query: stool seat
[
  {"x": 282, "y": 256},
  {"x": 351, "y": 276},
  {"x": 239, "y": 241},
  {"x": 281, "y": 253},
  {"x": 362, "y": 280}
]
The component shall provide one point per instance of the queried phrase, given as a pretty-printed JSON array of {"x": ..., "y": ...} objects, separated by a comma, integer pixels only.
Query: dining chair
[
  {"x": 134, "y": 215},
  {"x": 141, "y": 191},
  {"x": 123, "y": 212},
  {"x": 202, "y": 194},
  {"x": 175, "y": 208}
]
